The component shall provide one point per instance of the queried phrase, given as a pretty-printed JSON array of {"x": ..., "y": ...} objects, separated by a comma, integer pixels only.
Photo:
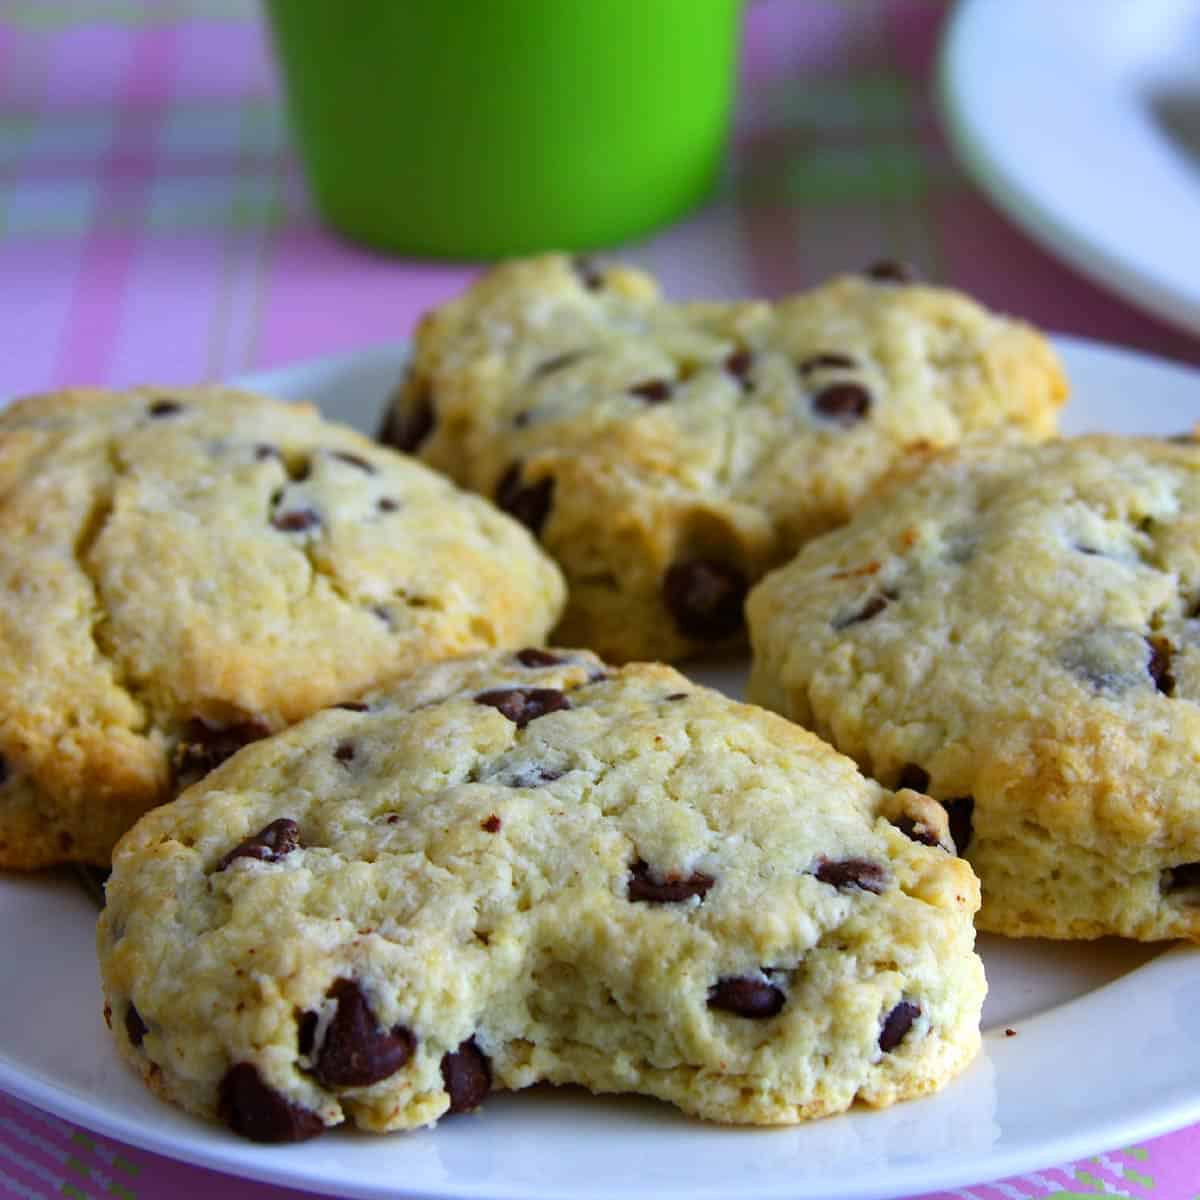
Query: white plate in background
[
  {"x": 1081, "y": 120},
  {"x": 1105, "y": 1051}
]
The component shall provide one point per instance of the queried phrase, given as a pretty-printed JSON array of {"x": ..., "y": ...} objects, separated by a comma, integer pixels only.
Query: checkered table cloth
[{"x": 154, "y": 227}]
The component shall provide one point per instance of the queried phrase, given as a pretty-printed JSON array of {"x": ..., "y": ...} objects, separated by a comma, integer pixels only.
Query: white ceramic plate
[
  {"x": 1081, "y": 119},
  {"x": 1105, "y": 1049}
]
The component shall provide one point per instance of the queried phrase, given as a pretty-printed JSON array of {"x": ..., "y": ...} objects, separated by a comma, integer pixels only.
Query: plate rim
[{"x": 1106, "y": 264}]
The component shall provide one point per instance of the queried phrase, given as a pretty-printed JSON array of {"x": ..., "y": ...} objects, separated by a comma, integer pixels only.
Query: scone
[
  {"x": 668, "y": 455},
  {"x": 184, "y": 572},
  {"x": 1015, "y": 633},
  {"x": 525, "y": 867}
]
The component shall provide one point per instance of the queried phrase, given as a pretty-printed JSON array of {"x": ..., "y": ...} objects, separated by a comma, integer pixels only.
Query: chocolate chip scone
[
  {"x": 526, "y": 867},
  {"x": 668, "y": 455},
  {"x": 1015, "y": 633},
  {"x": 182, "y": 573}
]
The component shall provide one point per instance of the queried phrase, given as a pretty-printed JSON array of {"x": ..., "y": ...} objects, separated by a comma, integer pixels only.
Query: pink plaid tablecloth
[{"x": 154, "y": 227}]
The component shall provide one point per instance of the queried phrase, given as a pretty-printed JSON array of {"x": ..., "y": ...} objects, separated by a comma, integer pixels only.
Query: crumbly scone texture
[
  {"x": 183, "y": 570},
  {"x": 669, "y": 454},
  {"x": 1016, "y": 633},
  {"x": 522, "y": 868}
]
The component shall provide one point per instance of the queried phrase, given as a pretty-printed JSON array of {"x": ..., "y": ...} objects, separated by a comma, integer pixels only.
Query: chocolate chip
[
  {"x": 914, "y": 777},
  {"x": 531, "y": 656},
  {"x": 263, "y": 452},
  {"x": 108, "y": 1015},
  {"x": 959, "y": 813},
  {"x": 250, "y": 1108},
  {"x": 135, "y": 1027},
  {"x": 206, "y": 745},
  {"x": 897, "y": 1024},
  {"x": 353, "y": 706},
  {"x": 3, "y": 771},
  {"x": 1182, "y": 439},
  {"x": 738, "y": 364},
  {"x": 746, "y": 997},
  {"x": 557, "y": 363},
  {"x": 1091, "y": 551},
  {"x": 888, "y": 270},
  {"x": 1182, "y": 878},
  {"x": 529, "y": 503},
  {"x": 530, "y": 775},
  {"x": 653, "y": 391},
  {"x": 299, "y": 469},
  {"x": 1159, "y": 665},
  {"x": 406, "y": 429},
  {"x": 704, "y": 597},
  {"x": 522, "y": 705},
  {"x": 677, "y": 696},
  {"x": 917, "y": 832},
  {"x": 306, "y": 1032},
  {"x": 467, "y": 1077},
  {"x": 387, "y": 504},
  {"x": 353, "y": 460},
  {"x": 356, "y": 1051},
  {"x": 344, "y": 752},
  {"x": 490, "y": 824},
  {"x": 852, "y": 872},
  {"x": 827, "y": 361},
  {"x": 296, "y": 521},
  {"x": 588, "y": 272},
  {"x": 165, "y": 408},
  {"x": 872, "y": 607},
  {"x": 269, "y": 844},
  {"x": 845, "y": 403},
  {"x": 522, "y": 419},
  {"x": 673, "y": 889}
]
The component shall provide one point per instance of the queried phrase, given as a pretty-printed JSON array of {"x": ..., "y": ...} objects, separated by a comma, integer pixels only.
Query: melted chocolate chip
[
  {"x": 250, "y": 1108},
  {"x": 1182, "y": 878},
  {"x": 353, "y": 460},
  {"x": 356, "y": 1051},
  {"x": 467, "y": 1077},
  {"x": 205, "y": 746},
  {"x": 873, "y": 606},
  {"x": 745, "y": 997},
  {"x": 296, "y": 521},
  {"x": 588, "y": 272},
  {"x": 897, "y": 1024},
  {"x": 522, "y": 705},
  {"x": 827, "y": 361},
  {"x": 845, "y": 403},
  {"x": 917, "y": 832},
  {"x": 738, "y": 363},
  {"x": 490, "y": 824},
  {"x": 353, "y": 706},
  {"x": 529, "y": 503},
  {"x": 557, "y": 363},
  {"x": 888, "y": 270},
  {"x": 914, "y": 777},
  {"x": 1159, "y": 665},
  {"x": 673, "y": 889},
  {"x": 165, "y": 408},
  {"x": 959, "y": 813},
  {"x": 653, "y": 391},
  {"x": 306, "y": 1032},
  {"x": 406, "y": 429},
  {"x": 270, "y": 844},
  {"x": 387, "y": 505},
  {"x": 852, "y": 872},
  {"x": 704, "y": 597},
  {"x": 264, "y": 452},
  {"x": 531, "y": 656},
  {"x": 135, "y": 1027},
  {"x": 344, "y": 752}
]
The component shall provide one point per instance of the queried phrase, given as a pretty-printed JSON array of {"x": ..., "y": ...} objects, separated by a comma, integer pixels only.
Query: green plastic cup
[{"x": 478, "y": 128}]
